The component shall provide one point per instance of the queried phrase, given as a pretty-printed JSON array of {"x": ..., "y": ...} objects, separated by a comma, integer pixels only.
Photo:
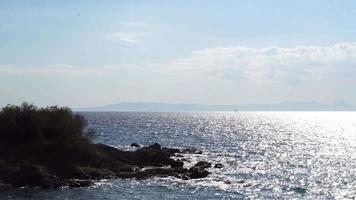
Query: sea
[{"x": 265, "y": 155}]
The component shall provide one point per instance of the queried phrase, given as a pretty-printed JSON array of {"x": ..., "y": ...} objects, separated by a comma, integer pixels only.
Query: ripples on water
[{"x": 265, "y": 155}]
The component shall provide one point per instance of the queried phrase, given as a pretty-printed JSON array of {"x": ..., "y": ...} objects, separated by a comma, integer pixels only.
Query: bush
[{"x": 29, "y": 124}]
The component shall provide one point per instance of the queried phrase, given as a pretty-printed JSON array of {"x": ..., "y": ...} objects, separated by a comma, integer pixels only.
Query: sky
[{"x": 90, "y": 53}]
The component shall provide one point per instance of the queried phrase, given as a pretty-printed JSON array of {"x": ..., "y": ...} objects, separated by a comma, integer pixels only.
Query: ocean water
[{"x": 266, "y": 155}]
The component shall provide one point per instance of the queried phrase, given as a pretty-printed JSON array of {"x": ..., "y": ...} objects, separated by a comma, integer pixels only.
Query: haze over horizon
[{"x": 91, "y": 53}]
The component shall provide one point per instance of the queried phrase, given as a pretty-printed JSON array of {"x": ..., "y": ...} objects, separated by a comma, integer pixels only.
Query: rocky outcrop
[
  {"x": 83, "y": 162},
  {"x": 50, "y": 147}
]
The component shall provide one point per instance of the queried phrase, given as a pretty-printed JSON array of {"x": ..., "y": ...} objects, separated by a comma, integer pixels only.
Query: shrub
[{"x": 29, "y": 124}]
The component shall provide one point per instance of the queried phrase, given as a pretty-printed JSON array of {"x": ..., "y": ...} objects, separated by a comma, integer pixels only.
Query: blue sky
[{"x": 87, "y": 53}]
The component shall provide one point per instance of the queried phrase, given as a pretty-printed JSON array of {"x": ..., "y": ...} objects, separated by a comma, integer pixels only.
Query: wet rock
[
  {"x": 300, "y": 190},
  {"x": 78, "y": 183},
  {"x": 171, "y": 150},
  {"x": 197, "y": 172},
  {"x": 135, "y": 145},
  {"x": 203, "y": 164},
  {"x": 79, "y": 165},
  {"x": 218, "y": 165},
  {"x": 241, "y": 181},
  {"x": 177, "y": 163},
  {"x": 192, "y": 151},
  {"x": 92, "y": 173},
  {"x": 154, "y": 172},
  {"x": 155, "y": 146},
  {"x": 149, "y": 156}
]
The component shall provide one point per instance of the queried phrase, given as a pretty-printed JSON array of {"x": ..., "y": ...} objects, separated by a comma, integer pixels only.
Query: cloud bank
[
  {"x": 295, "y": 65},
  {"x": 271, "y": 64},
  {"x": 222, "y": 75}
]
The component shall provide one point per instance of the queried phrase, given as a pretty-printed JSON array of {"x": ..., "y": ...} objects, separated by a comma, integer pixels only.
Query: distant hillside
[{"x": 185, "y": 107}]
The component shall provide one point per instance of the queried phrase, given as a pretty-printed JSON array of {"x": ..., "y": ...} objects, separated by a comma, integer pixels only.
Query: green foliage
[{"x": 29, "y": 124}]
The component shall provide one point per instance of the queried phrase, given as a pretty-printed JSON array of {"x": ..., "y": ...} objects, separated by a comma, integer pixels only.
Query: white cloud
[
  {"x": 223, "y": 75},
  {"x": 273, "y": 64},
  {"x": 300, "y": 64}
]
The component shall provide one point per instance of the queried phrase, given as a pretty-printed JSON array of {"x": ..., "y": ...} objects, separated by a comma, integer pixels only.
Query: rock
[
  {"x": 218, "y": 165},
  {"x": 177, "y": 163},
  {"x": 192, "y": 151},
  {"x": 92, "y": 173},
  {"x": 135, "y": 145},
  {"x": 30, "y": 174},
  {"x": 5, "y": 186},
  {"x": 196, "y": 172},
  {"x": 203, "y": 164},
  {"x": 78, "y": 183},
  {"x": 149, "y": 156},
  {"x": 155, "y": 146},
  {"x": 79, "y": 166},
  {"x": 154, "y": 172},
  {"x": 171, "y": 150},
  {"x": 300, "y": 190}
]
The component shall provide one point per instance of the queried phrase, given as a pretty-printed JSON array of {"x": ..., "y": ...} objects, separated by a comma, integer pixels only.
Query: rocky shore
[
  {"x": 76, "y": 167},
  {"x": 50, "y": 148}
]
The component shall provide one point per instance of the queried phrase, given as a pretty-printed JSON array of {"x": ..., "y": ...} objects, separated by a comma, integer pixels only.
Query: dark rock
[
  {"x": 203, "y": 165},
  {"x": 148, "y": 156},
  {"x": 78, "y": 183},
  {"x": 300, "y": 190},
  {"x": 155, "y": 146},
  {"x": 171, "y": 150},
  {"x": 192, "y": 151},
  {"x": 5, "y": 186},
  {"x": 92, "y": 173},
  {"x": 79, "y": 166},
  {"x": 135, "y": 145},
  {"x": 218, "y": 165},
  {"x": 196, "y": 172},
  {"x": 241, "y": 181},
  {"x": 177, "y": 163},
  {"x": 154, "y": 172},
  {"x": 30, "y": 174}
]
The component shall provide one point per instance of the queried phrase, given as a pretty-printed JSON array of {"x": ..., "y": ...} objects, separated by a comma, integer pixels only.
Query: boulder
[
  {"x": 197, "y": 172},
  {"x": 155, "y": 146},
  {"x": 218, "y": 165},
  {"x": 203, "y": 165},
  {"x": 135, "y": 145}
]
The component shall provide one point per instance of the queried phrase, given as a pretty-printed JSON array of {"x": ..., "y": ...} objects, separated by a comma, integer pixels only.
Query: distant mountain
[{"x": 185, "y": 107}]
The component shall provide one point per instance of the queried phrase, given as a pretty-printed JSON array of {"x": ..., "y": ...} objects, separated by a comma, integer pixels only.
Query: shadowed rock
[
  {"x": 104, "y": 162},
  {"x": 135, "y": 145},
  {"x": 203, "y": 164},
  {"x": 192, "y": 151}
]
